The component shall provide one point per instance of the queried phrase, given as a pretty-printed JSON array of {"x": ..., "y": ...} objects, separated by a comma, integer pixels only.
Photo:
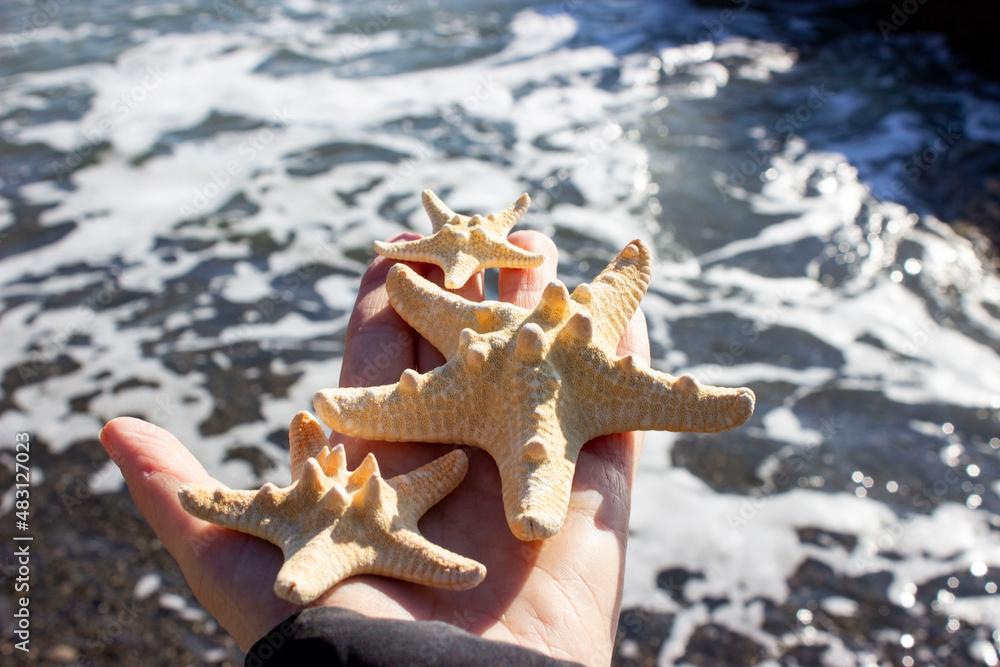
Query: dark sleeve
[{"x": 335, "y": 637}]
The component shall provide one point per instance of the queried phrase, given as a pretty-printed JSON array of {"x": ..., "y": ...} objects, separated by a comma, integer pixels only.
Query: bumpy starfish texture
[
  {"x": 465, "y": 245},
  {"x": 332, "y": 523},
  {"x": 531, "y": 387}
]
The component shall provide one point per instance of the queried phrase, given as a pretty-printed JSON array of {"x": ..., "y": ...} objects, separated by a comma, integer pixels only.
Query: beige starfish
[
  {"x": 462, "y": 245},
  {"x": 332, "y": 523},
  {"x": 531, "y": 386}
]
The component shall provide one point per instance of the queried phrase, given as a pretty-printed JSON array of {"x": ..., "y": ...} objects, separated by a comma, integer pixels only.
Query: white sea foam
[{"x": 595, "y": 133}]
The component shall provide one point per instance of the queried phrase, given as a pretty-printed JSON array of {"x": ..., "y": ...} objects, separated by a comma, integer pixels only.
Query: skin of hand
[{"x": 560, "y": 596}]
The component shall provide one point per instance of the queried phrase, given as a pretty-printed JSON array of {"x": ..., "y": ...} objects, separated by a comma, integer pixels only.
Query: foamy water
[{"x": 189, "y": 202}]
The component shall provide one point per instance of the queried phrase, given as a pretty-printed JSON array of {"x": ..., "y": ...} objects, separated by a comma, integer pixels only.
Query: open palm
[{"x": 560, "y": 596}]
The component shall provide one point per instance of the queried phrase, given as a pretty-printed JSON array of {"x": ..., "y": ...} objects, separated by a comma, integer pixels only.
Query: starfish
[
  {"x": 531, "y": 387},
  {"x": 462, "y": 245},
  {"x": 332, "y": 523}
]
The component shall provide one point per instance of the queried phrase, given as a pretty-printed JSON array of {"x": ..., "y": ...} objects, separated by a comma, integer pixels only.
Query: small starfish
[
  {"x": 332, "y": 523},
  {"x": 531, "y": 387},
  {"x": 462, "y": 245}
]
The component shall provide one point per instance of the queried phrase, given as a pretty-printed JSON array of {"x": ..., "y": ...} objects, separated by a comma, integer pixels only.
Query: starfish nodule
[
  {"x": 332, "y": 523},
  {"x": 531, "y": 387},
  {"x": 464, "y": 245}
]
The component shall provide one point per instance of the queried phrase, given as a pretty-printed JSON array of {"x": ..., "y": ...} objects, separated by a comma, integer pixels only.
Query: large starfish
[
  {"x": 332, "y": 523},
  {"x": 464, "y": 245},
  {"x": 531, "y": 387}
]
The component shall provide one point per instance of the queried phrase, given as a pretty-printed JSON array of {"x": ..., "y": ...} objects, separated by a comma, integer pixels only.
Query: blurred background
[{"x": 188, "y": 195}]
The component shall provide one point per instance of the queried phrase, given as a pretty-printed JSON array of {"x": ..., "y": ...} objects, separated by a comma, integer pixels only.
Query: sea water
[{"x": 190, "y": 191}]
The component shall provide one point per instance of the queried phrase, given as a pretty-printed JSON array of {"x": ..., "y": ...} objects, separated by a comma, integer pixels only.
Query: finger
[
  {"x": 523, "y": 287},
  {"x": 427, "y": 356},
  {"x": 635, "y": 340},
  {"x": 379, "y": 345}
]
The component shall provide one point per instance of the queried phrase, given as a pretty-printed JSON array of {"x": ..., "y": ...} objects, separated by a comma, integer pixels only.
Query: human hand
[{"x": 560, "y": 596}]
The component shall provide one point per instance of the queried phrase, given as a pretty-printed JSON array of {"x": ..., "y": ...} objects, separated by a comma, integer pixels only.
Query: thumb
[
  {"x": 223, "y": 568},
  {"x": 155, "y": 464}
]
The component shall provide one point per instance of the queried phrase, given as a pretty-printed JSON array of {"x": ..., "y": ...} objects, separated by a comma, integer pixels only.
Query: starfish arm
[
  {"x": 508, "y": 256},
  {"x": 418, "y": 408},
  {"x": 419, "y": 490},
  {"x": 436, "y": 210},
  {"x": 408, "y": 555},
  {"x": 427, "y": 250},
  {"x": 311, "y": 568},
  {"x": 625, "y": 396},
  {"x": 438, "y": 315},
  {"x": 501, "y": 223},
  {"x": 614, "y": 295},
  {"x": 536, "y": 480},
  {"x": 306, "y": 439},
  {"x": 237, "y": 510},
  {"x": 459, "y": 268}
]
